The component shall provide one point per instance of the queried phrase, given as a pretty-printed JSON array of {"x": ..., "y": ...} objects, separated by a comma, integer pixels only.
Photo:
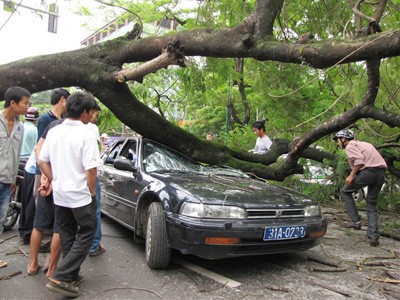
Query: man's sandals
[{"x": 33, "y": 272}]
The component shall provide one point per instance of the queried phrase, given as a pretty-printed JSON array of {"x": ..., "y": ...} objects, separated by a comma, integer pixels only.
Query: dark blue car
[{"x": 212, "y": 212}]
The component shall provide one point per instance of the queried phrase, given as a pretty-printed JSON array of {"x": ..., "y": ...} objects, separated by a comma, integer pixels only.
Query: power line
[
  {"x": 32, "y": 8},
  {"x": 53, "y": 16},
  {"x": 11, "y": 14}
]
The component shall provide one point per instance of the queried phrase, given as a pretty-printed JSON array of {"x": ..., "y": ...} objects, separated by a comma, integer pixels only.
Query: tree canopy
[{"x": 310, "y": 67}]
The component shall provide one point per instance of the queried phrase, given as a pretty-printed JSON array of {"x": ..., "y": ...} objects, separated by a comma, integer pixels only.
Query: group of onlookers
[{"x": 61, "y": 192}]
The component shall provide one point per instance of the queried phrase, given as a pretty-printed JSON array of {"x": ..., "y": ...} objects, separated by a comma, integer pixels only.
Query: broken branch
[
  {"x": 5, "y": 277},
  {"x": 323, "y": 261},
  {"x": 360, "y": 14},
  {"x": 316, "y": 269},
  {"x": 277, "y": 288},
  {"x": 327, "y": 287},
  {"x": 8, "y": 238},
  {"x": 134, "y": 288},
  {"x": 171, "y": 55},
  {"x": 385, "y": 280}
]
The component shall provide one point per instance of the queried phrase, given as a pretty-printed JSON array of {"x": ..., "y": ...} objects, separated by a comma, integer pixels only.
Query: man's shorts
[{"x": 44, "y": 215}]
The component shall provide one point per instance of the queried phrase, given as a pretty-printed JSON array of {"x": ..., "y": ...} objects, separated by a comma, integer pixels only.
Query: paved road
[{"x": 121, "y": 272}]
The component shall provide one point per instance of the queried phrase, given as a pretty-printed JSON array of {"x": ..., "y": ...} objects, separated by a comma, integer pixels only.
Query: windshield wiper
[
  {"x": 228, "y": 172},
  {"x": 166, "y": 171}
]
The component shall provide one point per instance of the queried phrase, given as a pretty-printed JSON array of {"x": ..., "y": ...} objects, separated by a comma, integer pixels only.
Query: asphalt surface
[{"x": 348, "y": 268}]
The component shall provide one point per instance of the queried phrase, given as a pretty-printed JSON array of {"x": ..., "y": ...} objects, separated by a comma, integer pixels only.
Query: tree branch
[
  {"x": 356, "y": 10},
  {"x": 171, "y": 55}
]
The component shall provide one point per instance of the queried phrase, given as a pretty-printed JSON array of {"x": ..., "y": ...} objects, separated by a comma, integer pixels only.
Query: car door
[
  {"x": 105, "y": 174},
  {"x": 125, "y": 186}
]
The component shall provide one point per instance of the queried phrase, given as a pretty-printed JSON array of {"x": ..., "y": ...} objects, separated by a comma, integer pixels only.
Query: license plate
[{"x": 284, "y": 233}]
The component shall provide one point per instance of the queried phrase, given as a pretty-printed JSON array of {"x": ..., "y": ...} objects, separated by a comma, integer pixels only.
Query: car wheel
[
  {"x": 11, "y": 218},
  {"x": 158, "y": 253},
  {"x": 13, "y": 210}
]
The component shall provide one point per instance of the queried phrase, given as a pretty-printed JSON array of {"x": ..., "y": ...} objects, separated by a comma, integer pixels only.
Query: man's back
[
  {"x": 364, "y": 153},
  {"x": 44, "y": 121},
  {"x": 72, "y": 150}
]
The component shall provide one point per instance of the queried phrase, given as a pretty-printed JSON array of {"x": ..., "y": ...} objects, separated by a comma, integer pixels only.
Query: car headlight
[
  {"x": 199, "y": 210},
  {"x": 312, "y": 211}
]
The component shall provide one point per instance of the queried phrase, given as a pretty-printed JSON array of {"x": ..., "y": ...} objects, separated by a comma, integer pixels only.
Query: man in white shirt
[
  {"x": 263, "y": 142},
  {"x": 69, "y": 159}
]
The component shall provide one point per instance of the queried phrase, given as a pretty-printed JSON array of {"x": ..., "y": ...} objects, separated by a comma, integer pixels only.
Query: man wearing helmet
[
  {"x": 27, "y": 165},
  {"x": 367, "y": 169}
]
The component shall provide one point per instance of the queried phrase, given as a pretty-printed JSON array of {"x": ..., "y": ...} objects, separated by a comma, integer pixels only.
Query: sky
[{"x": 25, "y": 34}]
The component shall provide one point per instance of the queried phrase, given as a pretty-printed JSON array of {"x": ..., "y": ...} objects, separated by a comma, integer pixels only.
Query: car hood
[{"x": 244, "y": 192}]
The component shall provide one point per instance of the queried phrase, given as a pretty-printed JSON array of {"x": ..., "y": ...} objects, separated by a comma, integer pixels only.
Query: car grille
[{"x": 274, "y": 213}]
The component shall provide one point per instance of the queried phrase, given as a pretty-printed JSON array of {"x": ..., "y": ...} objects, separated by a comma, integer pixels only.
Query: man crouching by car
[{"x": 69, "y": 158}]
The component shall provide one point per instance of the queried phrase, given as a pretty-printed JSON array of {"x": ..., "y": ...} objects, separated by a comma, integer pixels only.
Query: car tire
[
  {"x": 11, "y": 218},
  {"x": 13, "y": 211},
  {"x": 158, "y": 253}
]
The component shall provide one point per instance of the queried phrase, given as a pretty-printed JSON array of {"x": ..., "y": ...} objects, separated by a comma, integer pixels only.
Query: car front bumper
[{"x": 188, "y": 235}]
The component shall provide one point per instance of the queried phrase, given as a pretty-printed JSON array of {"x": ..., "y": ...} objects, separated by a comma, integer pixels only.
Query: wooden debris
[
  {"x": 199, "y": 284},
  {"x": 330, "y": 237},
  {"x": 392, "y": 235},
  {"x": 134, "y": 288},
  {"x": 172, "y": 54},
  {"x": 327, "y": 287},
  {"x": 385, "y": 280},
  {"x": 363, "y": 262},
  {"x": 316, "y": 269},
  {"x": 374, "y": 263},
  {"x": 391, "y": 293},
  {"x": 322, "y": 260},
  {"x": 393, "y": 275},
  {"x": 23, "y": 252},
  {"x": 9, "y": 238},
  {"x": 277, "y": 288},
  {"x": 5, "y": 277},
  {"x": 216, "y": 288},
  {"x": 18, "y": 251}
]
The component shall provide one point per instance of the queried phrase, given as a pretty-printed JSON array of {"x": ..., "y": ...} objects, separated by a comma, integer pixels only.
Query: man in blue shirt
[{"x": 30, "y": 133}]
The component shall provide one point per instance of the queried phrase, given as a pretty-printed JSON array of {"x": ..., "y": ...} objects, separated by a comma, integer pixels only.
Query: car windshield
[{"x": 160, "y": 159}]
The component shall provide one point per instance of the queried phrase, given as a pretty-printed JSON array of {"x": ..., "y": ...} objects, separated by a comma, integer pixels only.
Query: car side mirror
[{"x": 124, "y": 164}]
